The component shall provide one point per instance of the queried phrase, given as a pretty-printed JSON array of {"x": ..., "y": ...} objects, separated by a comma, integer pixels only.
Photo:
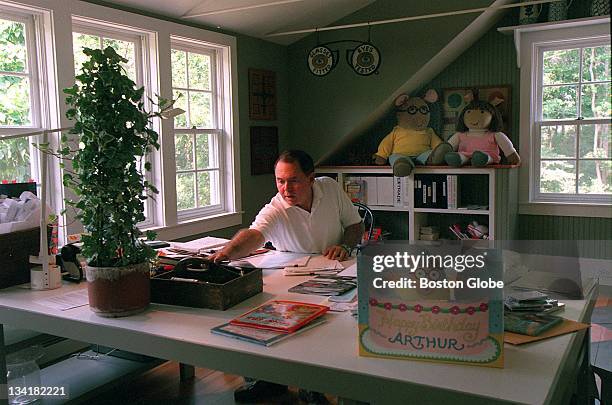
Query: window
[
  {"x": 198, "y": 132},
  {"x": 566, "y": 96},
  {"x": 20, "y": 110},
  {"x": 199, "y": 187},
  {"x": 129, "y": 44},
  {"x": 573, "y": 129}
]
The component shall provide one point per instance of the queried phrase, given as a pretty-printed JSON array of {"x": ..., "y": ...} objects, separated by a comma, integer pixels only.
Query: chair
[{"x": 368, "y": 220}]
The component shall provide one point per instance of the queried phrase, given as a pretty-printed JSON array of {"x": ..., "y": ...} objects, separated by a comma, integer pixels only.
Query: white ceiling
[{"x": 284, "y": 15}]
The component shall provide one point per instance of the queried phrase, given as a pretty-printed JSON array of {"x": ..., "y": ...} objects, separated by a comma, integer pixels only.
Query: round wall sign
[
  {"x": 321, "y": 60},
  {"x": 365, "y": 59}
]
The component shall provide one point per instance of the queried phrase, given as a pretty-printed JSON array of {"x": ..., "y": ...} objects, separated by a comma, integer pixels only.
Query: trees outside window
[
  {"x": 19, "y": 109},
  {"x": 197, "y": 133},
  {"x": 574, "y": 125}
]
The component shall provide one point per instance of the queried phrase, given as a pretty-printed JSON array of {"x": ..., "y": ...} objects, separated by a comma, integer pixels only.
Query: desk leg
[
  {"x": 585, "y": 384},
  {"x": 186, "y": 371},
  {"x": 3, "y": 381}
]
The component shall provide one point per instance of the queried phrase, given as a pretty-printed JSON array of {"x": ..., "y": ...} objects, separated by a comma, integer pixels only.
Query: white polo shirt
[{"x": 293, "y": 229}]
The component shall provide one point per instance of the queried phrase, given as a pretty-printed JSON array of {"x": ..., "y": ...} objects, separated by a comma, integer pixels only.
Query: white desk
[{"x": 323, "y": 359}]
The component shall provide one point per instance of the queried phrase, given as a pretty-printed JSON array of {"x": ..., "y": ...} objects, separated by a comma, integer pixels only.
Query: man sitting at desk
[{"x": 307, "y": 215}]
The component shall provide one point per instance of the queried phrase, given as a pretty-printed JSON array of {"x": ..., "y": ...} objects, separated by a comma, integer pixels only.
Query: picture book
[
  {"x": 529, "y": 323},
  {"x": 281, "y": 316},
  {"x": 260, "y": 336}
]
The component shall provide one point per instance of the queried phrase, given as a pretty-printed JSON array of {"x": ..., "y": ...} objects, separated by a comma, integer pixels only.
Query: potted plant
[{"x": 107, "y": 179}]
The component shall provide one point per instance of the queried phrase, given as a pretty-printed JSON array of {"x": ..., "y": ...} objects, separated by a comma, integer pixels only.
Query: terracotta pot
[{"x": 118, "y": 291}]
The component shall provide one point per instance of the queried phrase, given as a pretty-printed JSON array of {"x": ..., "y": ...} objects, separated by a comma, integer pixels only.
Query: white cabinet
[{"x": 491, "y": 190}]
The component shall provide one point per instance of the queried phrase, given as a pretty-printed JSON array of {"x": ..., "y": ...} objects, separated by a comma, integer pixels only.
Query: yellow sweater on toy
[{"x": 409, "y": 142}]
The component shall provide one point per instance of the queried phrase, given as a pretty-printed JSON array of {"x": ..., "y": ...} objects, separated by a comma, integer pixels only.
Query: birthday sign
[{"x": 414, "y": 303}]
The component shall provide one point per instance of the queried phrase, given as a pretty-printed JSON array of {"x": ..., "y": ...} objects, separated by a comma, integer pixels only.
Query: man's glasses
[{"x": 414, "y": 109}]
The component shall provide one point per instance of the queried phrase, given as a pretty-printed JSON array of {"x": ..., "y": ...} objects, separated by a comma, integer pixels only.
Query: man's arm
[
  {"x": 243, "y": 243},
  {"x": 352, "y": 236}
]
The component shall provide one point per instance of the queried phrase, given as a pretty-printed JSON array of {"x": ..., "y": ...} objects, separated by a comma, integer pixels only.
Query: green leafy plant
[{"x": 107, "y": 167}]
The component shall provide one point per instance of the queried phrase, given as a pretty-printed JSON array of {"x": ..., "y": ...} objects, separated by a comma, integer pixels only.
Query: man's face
[{"x": 293, "y": 185}]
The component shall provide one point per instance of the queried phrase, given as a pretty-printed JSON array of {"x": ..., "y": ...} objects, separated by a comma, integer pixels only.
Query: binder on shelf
[
  {"x": 452, "y": 191},
  {"x": 371, "y": 185},
  {"x": 385, "y": 190},
  {"x": 400, "y": 192},
  {"x": 431, "y": 191}
]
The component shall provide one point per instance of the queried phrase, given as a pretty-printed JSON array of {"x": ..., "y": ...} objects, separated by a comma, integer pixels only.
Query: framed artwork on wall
[
  {"x": 262, "y": 95},
  {"x": 264, "y": 149},
  {"x": 453, "y": 103}
]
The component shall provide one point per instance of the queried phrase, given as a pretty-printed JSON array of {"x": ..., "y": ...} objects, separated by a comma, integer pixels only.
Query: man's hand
[
  {"x": 337, "y": 252},
  {"x": 218, "y": 257}
]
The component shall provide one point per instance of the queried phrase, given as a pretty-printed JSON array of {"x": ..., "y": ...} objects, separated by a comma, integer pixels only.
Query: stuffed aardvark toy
[{"x": 411, "y": 141}]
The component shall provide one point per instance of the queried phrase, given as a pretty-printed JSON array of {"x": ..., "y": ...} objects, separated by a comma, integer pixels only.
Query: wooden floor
[{"x": 162, "y": 385}]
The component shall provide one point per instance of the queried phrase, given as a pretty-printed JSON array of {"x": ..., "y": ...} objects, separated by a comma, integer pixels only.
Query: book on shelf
[
  {"x": 529, "y": 323},
  {"x": 281, "y": 316},
  {"x": 260, "y": 336},
  {"x": 356, "y": 190}
]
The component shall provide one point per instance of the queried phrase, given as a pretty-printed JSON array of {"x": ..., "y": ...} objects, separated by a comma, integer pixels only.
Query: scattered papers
[
  {"x": 350, "y": 271},
  {"x": 199, "y": 246},
  {"x": 273, "y": 260},
  {"x": 317, "y": 265},
  {"x": 343, "y": 307},
  {"x": 66, "y": 301}
]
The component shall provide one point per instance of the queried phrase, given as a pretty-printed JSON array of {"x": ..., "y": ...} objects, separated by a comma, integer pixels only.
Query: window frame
[
  {"x": 531, "y": 42},
  {"x": 39, "y": 97},
  {"x": 142, "y": 64},
  {"x": 57, "y": 72},
  {"x": 220, "y": 104}
]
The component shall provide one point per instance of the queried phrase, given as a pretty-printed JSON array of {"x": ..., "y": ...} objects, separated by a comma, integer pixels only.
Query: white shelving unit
[{"x": 497, "y": 218}]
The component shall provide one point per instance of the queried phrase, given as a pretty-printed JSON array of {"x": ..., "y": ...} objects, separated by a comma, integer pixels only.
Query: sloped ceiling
[
  {"x": 328, "y": 113},
  {"x": 255, "y": 18}
]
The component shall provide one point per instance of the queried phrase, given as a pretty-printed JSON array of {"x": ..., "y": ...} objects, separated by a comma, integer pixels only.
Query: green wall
[
  {"x": 258, "y": 54},
  {"x": 323, "y": 110},
  {"x": 491, "y": 62}
]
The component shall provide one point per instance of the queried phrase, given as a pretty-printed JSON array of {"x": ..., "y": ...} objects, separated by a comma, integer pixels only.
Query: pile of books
[
  {"x": 429, "y": 233},
  {"x": 531, "y": 302},
  {"x": 273, "y": 321},
  {"x": 327, "y": 285},
  {"x": 530, "y": 324}
]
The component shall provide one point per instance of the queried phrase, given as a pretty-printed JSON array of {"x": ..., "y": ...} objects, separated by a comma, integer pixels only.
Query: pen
[{"x": 188, "y": 280}]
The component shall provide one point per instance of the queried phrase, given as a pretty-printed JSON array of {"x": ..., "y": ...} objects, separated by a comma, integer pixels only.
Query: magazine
[
  {"x": 260, "y": 336},
  {"x": 529, "y": 324},
  {"x": 326, "y": 285},
  {"x": 281, "y": 316}
]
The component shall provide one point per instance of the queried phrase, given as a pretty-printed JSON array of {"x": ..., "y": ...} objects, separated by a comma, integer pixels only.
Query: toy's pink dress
[{"x": 484, "y": 143}]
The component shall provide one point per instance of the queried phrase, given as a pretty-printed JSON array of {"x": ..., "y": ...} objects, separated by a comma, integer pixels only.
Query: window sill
[
  {"x": 566, "y": 209},
  {"x": 196, "y": 226}
]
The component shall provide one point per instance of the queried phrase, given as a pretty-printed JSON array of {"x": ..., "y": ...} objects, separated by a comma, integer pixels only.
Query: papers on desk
[
  {"x": 66, "y": 301},
  {"x": 350, "y": 271},
  {"x": 317, "y": 265},
  {"x": 199, "y": 246},
  {"x": 273, "y": 260}
]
